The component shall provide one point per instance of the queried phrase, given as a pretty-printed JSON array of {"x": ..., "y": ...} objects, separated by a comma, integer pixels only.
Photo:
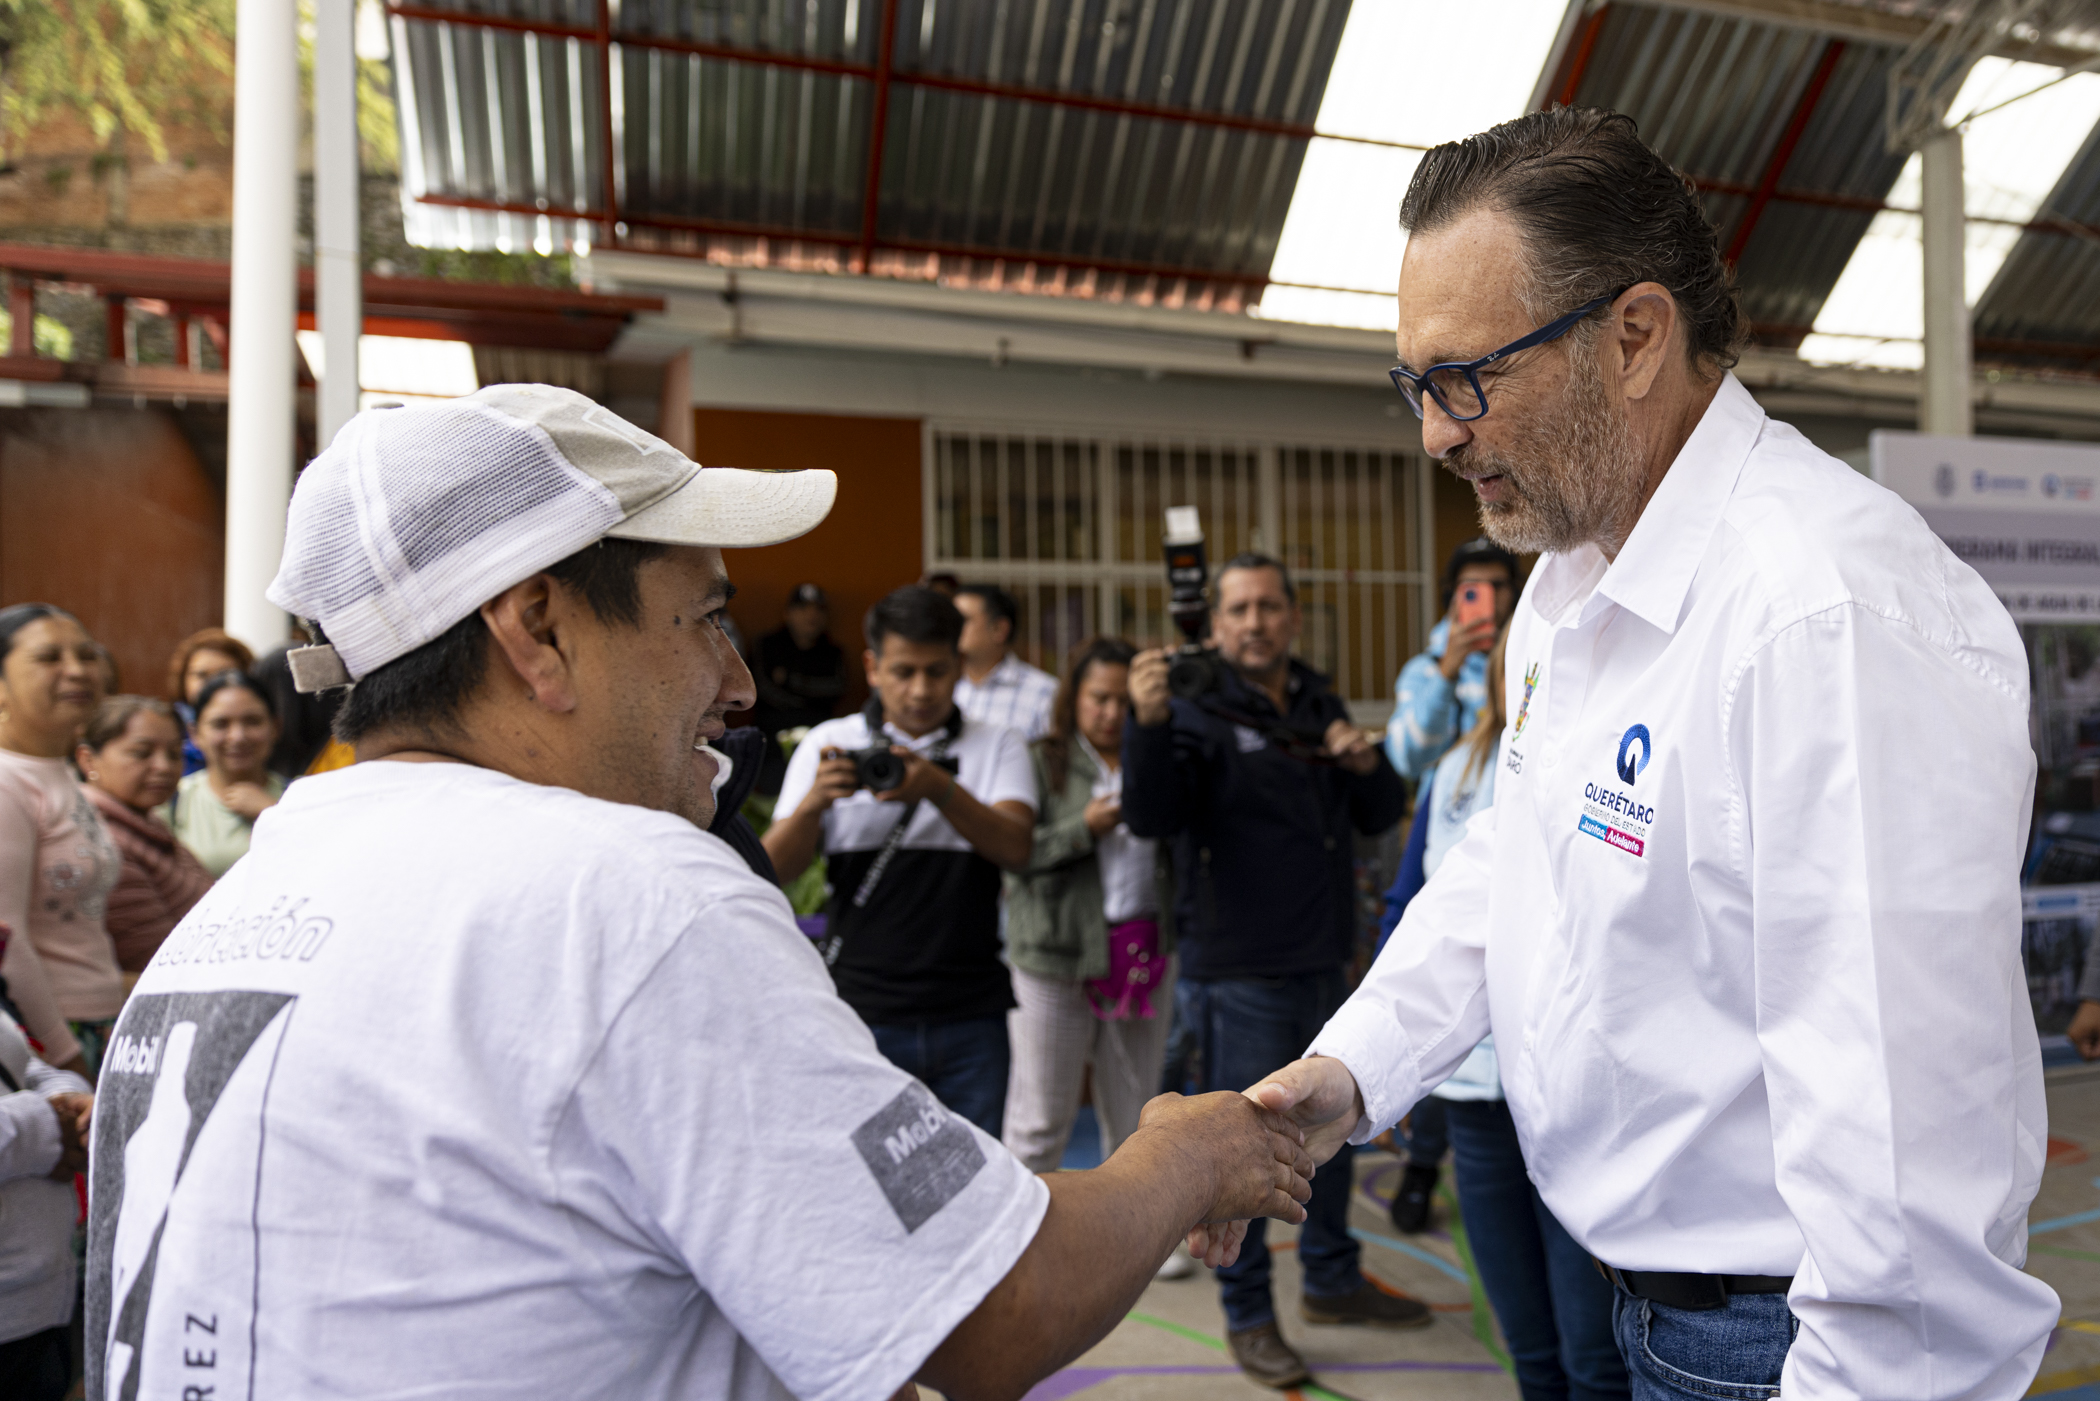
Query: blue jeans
[
  {"x": 964, "y": 1064},
  {"x": 1726, "y": 1354},
  {"x": 1428, "y": 1135},
  {"x": 1245, "y": 1028},
  {"x": 1555, "y": 1309}
]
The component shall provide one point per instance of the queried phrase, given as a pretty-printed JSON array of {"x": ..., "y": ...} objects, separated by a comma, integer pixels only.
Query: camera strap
[{"x": 951, "y": 729}]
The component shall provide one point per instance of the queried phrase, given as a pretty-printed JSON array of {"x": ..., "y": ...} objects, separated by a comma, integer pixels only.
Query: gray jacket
[{"x": 1055, "y": 921}]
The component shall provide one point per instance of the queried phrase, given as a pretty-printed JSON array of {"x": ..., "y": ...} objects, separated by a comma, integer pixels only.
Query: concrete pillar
[
  {"x": 1946, "y": 406},
  {"x": 339, "y": 303},
  {"x": 265, "y": 307}
]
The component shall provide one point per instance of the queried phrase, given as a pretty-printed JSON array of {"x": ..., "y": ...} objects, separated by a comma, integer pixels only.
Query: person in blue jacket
[
  {"x": 1438, "y": 697},
  {"x": 1259, "y": 786}
]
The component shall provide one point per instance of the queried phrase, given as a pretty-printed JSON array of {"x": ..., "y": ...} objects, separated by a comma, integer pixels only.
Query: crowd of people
[{"x": 117, "y": 813}]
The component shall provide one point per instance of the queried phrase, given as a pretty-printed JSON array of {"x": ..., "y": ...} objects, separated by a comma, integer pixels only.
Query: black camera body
[
  {"x": 1194, "y": 670},
  {"x": 881, "y": 769}
]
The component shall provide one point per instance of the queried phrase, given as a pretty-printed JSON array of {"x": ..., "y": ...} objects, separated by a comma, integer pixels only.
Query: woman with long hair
[
  {"x": 1087, "y": 928},
  {"x": 131, "y": 757},
  {"x": 214, "y": 809},
  {"x": 57, "y": 863}
]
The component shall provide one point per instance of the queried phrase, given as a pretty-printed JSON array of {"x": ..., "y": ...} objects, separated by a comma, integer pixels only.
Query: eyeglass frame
[{"x": 1551, "y": 331}]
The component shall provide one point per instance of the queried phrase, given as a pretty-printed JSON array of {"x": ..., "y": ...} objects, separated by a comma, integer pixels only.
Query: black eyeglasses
[{"x": 1455, "y": 385}]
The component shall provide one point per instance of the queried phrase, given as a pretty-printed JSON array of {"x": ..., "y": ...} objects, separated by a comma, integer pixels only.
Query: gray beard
[{"x": 1574, "y": 474}]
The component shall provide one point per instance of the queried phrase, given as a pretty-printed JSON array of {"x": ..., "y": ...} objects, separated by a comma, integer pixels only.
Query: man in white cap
[{"x": 489, "y": 1072}]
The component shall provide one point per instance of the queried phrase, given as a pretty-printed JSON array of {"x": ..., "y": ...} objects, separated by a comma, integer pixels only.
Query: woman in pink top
[
  {"x": 131, "y": 757},
  {"x": 57, "y": 863}
]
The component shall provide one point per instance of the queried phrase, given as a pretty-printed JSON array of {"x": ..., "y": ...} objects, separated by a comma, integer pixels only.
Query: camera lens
[
  {"x": 1191, "y": 674},
  {"x": 881, "y": 770}
]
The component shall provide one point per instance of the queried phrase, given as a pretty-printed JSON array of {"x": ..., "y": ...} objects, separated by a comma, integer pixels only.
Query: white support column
[
  {"x": 265, "y": 305},
  {"x": 338, "y": 283},
  {"x": 1946, "y": 405}
]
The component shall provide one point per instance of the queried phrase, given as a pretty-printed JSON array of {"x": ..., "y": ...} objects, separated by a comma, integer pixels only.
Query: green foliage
[
  {"x": 53, "y": 338},
  {"x": 121, "y": 65}
]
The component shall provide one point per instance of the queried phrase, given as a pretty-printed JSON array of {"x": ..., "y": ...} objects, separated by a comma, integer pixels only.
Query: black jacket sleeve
[{"x": 1163, "y": 775}]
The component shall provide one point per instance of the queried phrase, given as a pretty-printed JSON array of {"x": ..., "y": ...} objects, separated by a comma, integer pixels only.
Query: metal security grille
[{"x": 1071, "y": 525}]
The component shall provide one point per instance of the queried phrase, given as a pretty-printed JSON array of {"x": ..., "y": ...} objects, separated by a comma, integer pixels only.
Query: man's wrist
[{"x": 941, "y": 803}]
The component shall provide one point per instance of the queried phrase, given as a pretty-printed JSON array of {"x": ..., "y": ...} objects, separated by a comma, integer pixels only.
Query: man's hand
[
  {"x": 836, "y": 778},
  {"x": 1256, "y": 1159},
  {"x": 1148, "y": 687},
  {"x": 924, "y": 781},
  {"x": 1476, "y": 636},
  {"x": 1351, "y": 748},
  {"x": 1103, "y": 813},
  {"x": 74, "y": 1112},
  {"x": 2085, "y": 1030},
  {"x": 1319, "y": 1095}
]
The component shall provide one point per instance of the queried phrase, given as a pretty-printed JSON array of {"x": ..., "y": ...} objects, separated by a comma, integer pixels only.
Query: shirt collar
[{"x": 1654, "y": 571}]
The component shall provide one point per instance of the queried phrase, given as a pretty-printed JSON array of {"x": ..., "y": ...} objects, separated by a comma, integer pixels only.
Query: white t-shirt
[
  {"x": 924, "y": 945},
  {"x": 1129, "y": 864},
  {"x": 460, "y": 1086}
]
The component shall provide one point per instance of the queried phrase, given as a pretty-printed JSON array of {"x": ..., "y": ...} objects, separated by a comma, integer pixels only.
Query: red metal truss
[
  {"x": 878, "y": 132},
  {"x": 1797, "y": 124}
]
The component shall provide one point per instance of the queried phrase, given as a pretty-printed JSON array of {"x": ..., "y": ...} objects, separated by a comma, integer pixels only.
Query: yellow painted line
[
  {"x": 2079, "y": 1325},
  {"x": 2064, "y": 1381}
]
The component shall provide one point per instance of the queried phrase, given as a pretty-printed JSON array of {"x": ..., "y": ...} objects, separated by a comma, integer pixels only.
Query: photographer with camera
[
  {"x": 1251, "y": 767},
  {"x": 917, "y": 812}
]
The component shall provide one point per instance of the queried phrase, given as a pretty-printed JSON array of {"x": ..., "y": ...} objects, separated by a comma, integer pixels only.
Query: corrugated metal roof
[
  {"x": 2047, "y": 292},
  {"x": 1142, "y": 148}
]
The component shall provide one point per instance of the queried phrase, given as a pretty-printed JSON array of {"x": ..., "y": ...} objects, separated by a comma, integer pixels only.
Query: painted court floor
[{"x": 1171, "y": 1347}]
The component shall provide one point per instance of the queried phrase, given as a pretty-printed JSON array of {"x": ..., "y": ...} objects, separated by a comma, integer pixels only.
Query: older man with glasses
[{"x": 1752, "y": 970}]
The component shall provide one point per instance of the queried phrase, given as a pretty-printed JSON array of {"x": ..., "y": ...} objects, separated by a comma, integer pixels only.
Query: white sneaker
[{"x": 1178, "y": 1265}]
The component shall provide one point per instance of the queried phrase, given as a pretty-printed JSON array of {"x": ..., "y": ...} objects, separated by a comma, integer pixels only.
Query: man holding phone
[{"x": 1440, "y": 692}]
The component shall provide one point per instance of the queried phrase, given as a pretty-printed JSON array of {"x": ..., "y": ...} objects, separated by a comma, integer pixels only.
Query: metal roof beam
[
  {"x": 1768, "y": 183},
  {"x": 1856, "y": 22}
]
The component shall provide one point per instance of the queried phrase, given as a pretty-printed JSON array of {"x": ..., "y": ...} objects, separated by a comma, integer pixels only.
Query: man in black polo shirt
[
  {"x": 913, "y": 933},
  {"x": 1259, "y": 786}
]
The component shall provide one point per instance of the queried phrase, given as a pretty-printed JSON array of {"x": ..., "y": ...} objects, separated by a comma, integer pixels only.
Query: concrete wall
[{"x": 108, "y": 513}]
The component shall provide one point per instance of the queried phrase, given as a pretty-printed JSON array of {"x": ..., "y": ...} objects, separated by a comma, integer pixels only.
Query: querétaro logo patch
[
  {"x": 177, "y": 1170},
  {"x": 921, "y": 1153},
  {"x": 1630, "y": 764}
]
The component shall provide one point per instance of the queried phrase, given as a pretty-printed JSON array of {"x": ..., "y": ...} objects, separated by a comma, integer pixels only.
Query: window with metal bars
[{"x": 1071, "y": 525}]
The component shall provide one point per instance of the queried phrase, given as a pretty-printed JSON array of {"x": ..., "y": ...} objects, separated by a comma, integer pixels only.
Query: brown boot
[
  {"x": 1266, "y": 1358},
  {"x": 1369, "y": 1305}
]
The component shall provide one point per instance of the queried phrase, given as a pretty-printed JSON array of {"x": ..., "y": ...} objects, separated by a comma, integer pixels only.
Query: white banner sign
[{"x": 2025, "y": 513}]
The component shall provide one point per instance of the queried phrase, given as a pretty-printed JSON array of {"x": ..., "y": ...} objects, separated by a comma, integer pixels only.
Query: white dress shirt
[
  {"x": 1013, "y": 695},
  {"x": 1129, "y": 864},
  {"x": 1745, "y": 919}
]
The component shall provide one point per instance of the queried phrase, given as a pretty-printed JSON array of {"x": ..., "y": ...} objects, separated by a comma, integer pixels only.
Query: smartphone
[{"x": 1475, "y": 601}]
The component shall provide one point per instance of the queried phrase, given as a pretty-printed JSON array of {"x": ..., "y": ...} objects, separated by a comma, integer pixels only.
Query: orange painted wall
[
  {"x": 873, "y": 540},
  {"x": 107, "y": 513}
]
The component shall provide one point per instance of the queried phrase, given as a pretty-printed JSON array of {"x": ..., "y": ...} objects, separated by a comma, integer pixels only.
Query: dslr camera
[
  {"x": 881, "y": 769},
  {"x": 1194, "y": 670}
]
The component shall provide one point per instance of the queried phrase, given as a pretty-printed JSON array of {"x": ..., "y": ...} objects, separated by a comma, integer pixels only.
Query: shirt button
[
  {"x": 1330, "y": 843},
  {"x": 1551, "y": 756}
]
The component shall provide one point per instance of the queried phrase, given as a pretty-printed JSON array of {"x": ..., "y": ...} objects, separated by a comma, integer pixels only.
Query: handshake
[{"x": 1250, "y": 1154}]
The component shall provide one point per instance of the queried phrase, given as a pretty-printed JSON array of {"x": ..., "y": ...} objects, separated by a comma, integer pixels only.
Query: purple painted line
[{"x": 1073, "y": 1380}]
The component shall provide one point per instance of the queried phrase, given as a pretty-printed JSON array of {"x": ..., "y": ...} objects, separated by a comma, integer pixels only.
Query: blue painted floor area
[
  {"x": 1084, "y": 1151},
  {"x": 2082, "y": 1393}
]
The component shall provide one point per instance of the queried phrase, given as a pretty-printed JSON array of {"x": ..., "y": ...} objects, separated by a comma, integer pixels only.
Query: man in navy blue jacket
[{"x": 1259, "y": 786}]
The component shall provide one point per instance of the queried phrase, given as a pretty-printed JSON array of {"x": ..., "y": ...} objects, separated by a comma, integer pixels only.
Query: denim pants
[
  {"x": 964, "y": 1063},
  {"x": 1428, "y": 1135},
  {"x": 1734, "y": 1353},
  {"x": 1554, "y": 1307},
  {"x": 1245, "y": 1028}
]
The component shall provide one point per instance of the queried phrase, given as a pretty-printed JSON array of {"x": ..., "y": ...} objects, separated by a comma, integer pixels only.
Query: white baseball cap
[{"x": 415, "y": 517}]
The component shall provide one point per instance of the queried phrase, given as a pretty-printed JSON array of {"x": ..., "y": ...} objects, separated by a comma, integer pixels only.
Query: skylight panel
[
  {"x": 1408, "y": 72},
  {"x": 2012, "y": 158}
]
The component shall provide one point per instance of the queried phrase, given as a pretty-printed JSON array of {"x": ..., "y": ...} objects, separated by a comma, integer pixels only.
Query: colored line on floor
[
  {"x": 2059, "y": 1223},
  {"x": 2066, "y": 1252},
  {"x": 1073, "y": 1380},
  {"x": 1416, "y": 1251},
  {"x": 2076, "y": 1384}
]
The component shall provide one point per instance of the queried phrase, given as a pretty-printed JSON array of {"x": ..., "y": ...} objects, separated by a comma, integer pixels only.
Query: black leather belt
[{"x": 1689, "y": 1291}]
